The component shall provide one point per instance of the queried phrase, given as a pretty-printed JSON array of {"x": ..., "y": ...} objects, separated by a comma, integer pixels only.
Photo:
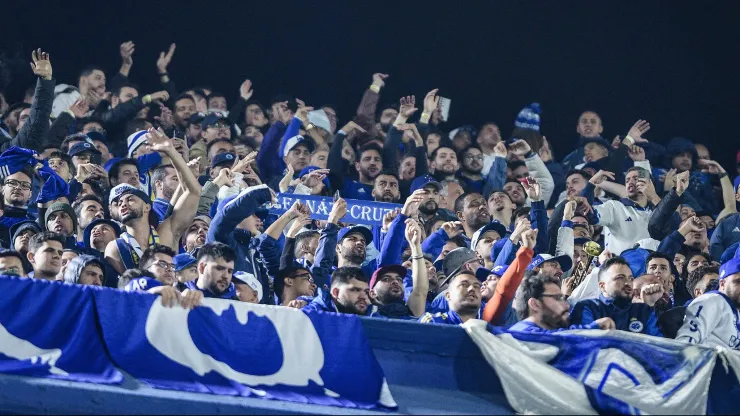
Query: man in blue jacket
[
  {"x": 215, "y": 270},
  {"x": 349, "y": 293},
  {"x": 229, "y": 226},
  {"x": 615, "y": 301}
]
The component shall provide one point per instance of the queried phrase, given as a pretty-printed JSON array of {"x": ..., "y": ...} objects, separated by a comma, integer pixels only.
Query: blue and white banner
[
  {"x": 48, "y": 329},
  {"x": 607, "y": 372},
  {"x": 358, "y": 211},
  {"x": 236, "y": 348}
]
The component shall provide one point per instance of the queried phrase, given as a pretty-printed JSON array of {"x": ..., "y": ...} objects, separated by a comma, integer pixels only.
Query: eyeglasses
[
  {"x": 164, "y": 265},
  {"x": 304, "y": 276},
  {"x": 558, "y": 297},
  {"x": 219, "y": 126},
  {"x": 11, "y": 271},
  {"x": 18, "y": 184}
]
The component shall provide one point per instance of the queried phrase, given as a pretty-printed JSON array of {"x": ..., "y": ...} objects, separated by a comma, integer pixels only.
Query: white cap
[{"x": 251, "y": 281}]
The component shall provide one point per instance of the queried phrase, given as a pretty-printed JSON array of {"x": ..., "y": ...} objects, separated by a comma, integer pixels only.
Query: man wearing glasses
[
  {"x": 543, "y": 308},
  {"x": 158, "y": 260},
  {"x": 470, "y": 171},
  {"x": 16, "y": 191}
]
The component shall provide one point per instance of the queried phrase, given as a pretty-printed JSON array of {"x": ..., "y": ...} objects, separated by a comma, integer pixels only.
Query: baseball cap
[
  {"x": 141, "y": 284},
  {"x": 729, "y": 268},
  {"x": 87, "y": 233},
  {"x": 295, "y": 141},
  {"x": 213, "y": 118},
  {"x": 492, "y": 226},
  {"x": 96, "y": 135},
  {"x": 565, "y": 262},
  {"x": 249, "y": 280},
  {"x": 82, "y": 147},
  {"x": 222, "y": 158},
  {"x": 205, "y": 218},
  {"x": 183, "y": 261},
  {"x": 197, "y": 118},
  {"x": 122, "y": 189},
  {"x": 598, "y": 140},
  {"x": 356, "y": 229},
  {"x": 390, "y": 268},
  {"x": 423, "y": 181},
  {"x": 499, "y": 270},
  {"x": 455, "y": 259}
]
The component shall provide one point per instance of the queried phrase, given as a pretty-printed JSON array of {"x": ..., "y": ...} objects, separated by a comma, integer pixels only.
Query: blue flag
[
  {"x": 48, "y": 329},
  {"x": 236, "y": 348},
  {"x": 358, "y": 211},
  {"x": 607, "y": 372}
]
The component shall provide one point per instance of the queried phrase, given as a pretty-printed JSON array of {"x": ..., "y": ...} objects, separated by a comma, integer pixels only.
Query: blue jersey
[
  {"x": 449, "y": 318},
  {"x": 632, "y": 317},
  {"x": 356, "y": 190},
  {"x": 529, "y": 326}
]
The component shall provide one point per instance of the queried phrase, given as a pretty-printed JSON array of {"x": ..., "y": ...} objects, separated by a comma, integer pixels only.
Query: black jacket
[{"x": 34, "y": 130}]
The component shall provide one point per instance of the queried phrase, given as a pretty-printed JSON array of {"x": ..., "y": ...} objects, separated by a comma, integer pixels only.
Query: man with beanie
[
  {"x": 85, "y": 270},
  {"x": 134, "y": 208},
  {"x": 22, "y": 233},
  {"x": 61, "y": 219},
  {"x": 99, "y": 233}
]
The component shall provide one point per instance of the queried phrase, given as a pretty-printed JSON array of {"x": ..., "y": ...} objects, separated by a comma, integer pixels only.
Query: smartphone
[
  {"x": 643, "y": 173},
  {"x": 336, "y": 196}
]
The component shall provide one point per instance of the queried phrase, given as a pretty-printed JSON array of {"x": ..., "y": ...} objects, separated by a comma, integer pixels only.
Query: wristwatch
[{"x": 310, "y": 126}]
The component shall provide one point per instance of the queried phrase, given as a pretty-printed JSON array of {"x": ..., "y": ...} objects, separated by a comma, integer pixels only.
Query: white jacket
[
  {"x": 625, "y": 223},
  {"x": 711, "y": 320}
]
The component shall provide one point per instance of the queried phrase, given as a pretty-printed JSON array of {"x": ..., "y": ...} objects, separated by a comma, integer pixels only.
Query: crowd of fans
[{"x": 167, "y": 192}]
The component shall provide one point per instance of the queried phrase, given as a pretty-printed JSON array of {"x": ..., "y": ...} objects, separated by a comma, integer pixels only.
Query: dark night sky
[{"x": 672, "y": 63}]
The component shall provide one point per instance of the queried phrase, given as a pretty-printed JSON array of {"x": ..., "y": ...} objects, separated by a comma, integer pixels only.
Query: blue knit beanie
[{"x": 529, "y": 117}]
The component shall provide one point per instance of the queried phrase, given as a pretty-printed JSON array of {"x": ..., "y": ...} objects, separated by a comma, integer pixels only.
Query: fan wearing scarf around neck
[{"x": 141, "y": 228}]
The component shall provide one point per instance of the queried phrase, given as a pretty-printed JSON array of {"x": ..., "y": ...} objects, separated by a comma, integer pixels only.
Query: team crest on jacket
[{"x": 636, "y": 326}]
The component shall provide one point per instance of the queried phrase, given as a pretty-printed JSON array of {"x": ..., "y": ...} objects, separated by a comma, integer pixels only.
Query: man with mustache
[
  {"x": 196, "y": 234},
  {"x": 385, "y": 188},
  {"x": 349, "y": 293},
  {"x": 87, "y": 209},
  {"x": 99, "y": 233},
  {"x": 472, "y": 211},
  {"x": 215, "y": 270},
  {"x": 429, "y": 206},
  {"x": 470, "y": 172},
  {"x": 551, "y": 266},
  {"x": 589, "y": 126},
  {"x": 543, "y": 308},
  {"x": 135, "y": 212},
  {"x": 61, "y": 219},
  {"x": 615, "y": 301},
  {"x": 627, "y": 219},
  {"x": 444, "y": 163}
]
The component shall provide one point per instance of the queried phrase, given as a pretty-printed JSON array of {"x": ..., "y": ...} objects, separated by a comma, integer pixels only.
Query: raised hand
[
  {"x": 284, "y": 114},
  {"x": 651, "y": 293},
  {"x": 158, "y": 141},
  {"x": 431, "y": 101},
  {"x": 348, "y": 153},
  {"x": 408, "y": 106},
  {"x": 127, "y": 51},
  {"x": 711, "y": 167},
  {"x": 645, "y": 186},
  {"x": 521, "y": 226},
  {"x": 351, "y": 126},
  {"x": 338, "y": 211},
  {"x": 315, "y": 177},
  {"x": 605, "y": 255},
  {"x": 241, "y": 164},
  {"x": 79, "y": 108},
  {"x": 287, "y": 180},
  {"x": 452, "y": 228},
  {"x": 302, "y": 112},
  {"x": 520, "y": 148},
  {"x": 388, "y": 218},
  {"x": 412, "y": 202},
  {"x": 164, "y": 60},
  {"x": 194, "y": 166},
  {"x": 600, "y": 176},
  {"x": 616, "y": 142},
  {"x": 500, "y": 150},
  {"x": 669, "y": 179},
  {"x": 529, "y": 238},
  {"x": 682, "y": 182},
  {"x": 298, "y": 209},
  {"x": 165, "y": 119},
  {"x": 412, "y": 128},
  {"x": 225, "y": 178},
  {"x": 245, "y": 90},
  {"x": 84, "y": 171},
  {"x": 413, "y": 233},
  {"x": 160, "y": 96},
  {"x": 379, "y": 79},
  {"x": 297, "y": 225},
  {"x": 636, "y": 153},
  {"x": 41, "y": 65},
  {"x": 582, "y": 207},
  {"x": 532, "y": 187},
  {"x": 638, "y": 129},
  {"x": 570, "y": 210}
]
